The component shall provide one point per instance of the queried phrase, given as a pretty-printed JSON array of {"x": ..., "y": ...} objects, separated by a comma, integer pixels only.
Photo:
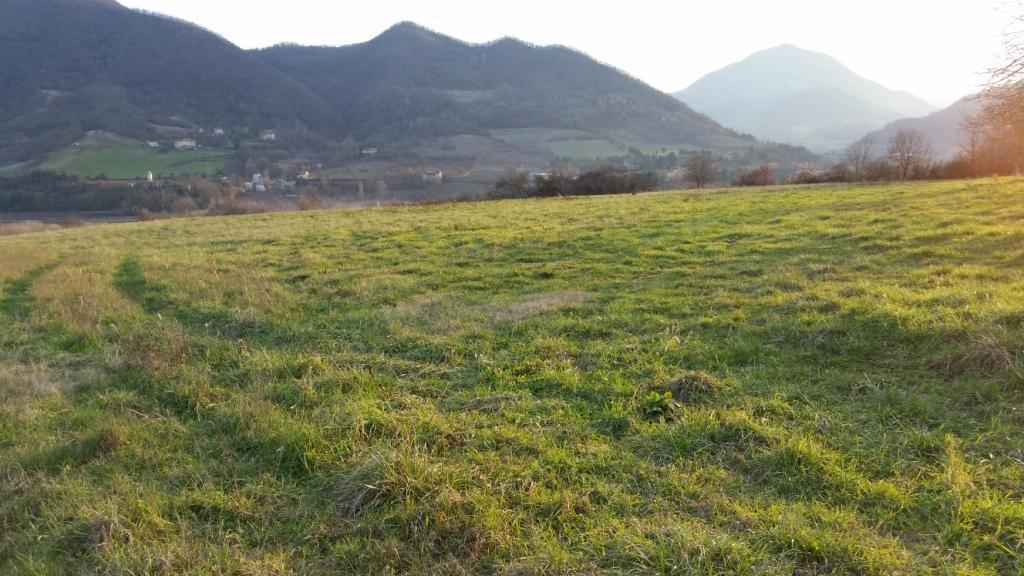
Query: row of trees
[
  {"x": 555, "y": 183},
  {"x": 908, "y": 155}
]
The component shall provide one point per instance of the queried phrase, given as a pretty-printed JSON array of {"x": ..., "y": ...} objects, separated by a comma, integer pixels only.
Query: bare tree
[
  {"x": 1011, "y": 72},
  {"x": 970, "y": 147},
  {"x": 701, "y": 169},
  {"x": 1000, "y": 124},
  {"x": 859, "y": 156},
  {"x": 909, "y": 150}
]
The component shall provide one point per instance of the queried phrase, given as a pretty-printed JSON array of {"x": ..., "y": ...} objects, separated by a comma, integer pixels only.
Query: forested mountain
[
  {"x": 74, "y": 66},
  {"x": 787, "y": 94},
  {"x": 69, "y": 66},
  {"x": 411, "y": 81}
]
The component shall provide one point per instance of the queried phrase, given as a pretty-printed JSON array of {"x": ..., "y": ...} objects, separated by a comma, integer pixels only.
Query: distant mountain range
[
  {"x": 75, "y": 66},
  {"x": 943, "y": 129},
  {"x": 787, "y": 94}
]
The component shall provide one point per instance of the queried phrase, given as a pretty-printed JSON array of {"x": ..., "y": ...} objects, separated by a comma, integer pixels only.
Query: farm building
[
  {"x": 268, "y": 135},
  {"x": 186, "y": 144}
]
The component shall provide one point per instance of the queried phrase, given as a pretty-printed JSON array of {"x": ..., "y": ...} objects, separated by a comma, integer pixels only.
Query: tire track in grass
[
  {"x": 275, "y": 439},
  {"x": 16, "y": 300}
]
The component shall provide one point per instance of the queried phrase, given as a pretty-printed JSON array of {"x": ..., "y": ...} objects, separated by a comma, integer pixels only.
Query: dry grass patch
[
  {"x": 442, "y": 313},
  {"x": 17, "y": 260},
  {"x": 245, "y": 287},
  {"x": 981, "y": 354},
  {"x": 80, "y": 294},
  {"x": 27, "y": 227},
  {"x": 534, "y": 306},
  {"x": 21, "y": 380},
  {"x": 693, "y": 388}
]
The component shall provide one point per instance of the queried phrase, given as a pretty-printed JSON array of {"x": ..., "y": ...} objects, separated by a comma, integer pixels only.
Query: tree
[
  {"x": 999, "y": 127},
  {"x": 515, "y": 185},
  {"x": 701, "y": 169},
  {"x": 556, "y": 183},
  {"x": 859, "y": 155},
  {"x": 806, "y": 174},
  {"x": 909, "y": 150},
  {"x": 763, "y": 175}
]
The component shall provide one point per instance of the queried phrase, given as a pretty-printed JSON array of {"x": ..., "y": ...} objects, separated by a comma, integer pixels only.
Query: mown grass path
[{"x": 818, "y": 380}]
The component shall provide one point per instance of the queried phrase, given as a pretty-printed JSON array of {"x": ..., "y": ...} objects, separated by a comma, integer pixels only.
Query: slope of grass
[
  {"x": 125, "y": 159},
  {"x": 788, "y": 381}
]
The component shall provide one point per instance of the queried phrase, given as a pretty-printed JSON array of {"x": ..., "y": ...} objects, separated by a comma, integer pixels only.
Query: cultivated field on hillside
[
  {"x": 823, "y": 380},
  {"x": 125, "y": 159}
]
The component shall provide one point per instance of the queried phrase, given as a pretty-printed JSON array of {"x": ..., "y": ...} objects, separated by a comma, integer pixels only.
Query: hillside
[
  {"x": 787, "y": 94},
  {"x": 71, "y": 66},
  {"x": 410, "y": 81},
  {"x": 813, "y": 380},
  {"x": 79, "y": 66},
  {"x": 943, "y": 129}
]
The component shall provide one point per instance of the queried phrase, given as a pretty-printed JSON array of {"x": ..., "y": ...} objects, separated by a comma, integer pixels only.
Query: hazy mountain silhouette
[
  {"x": 943, "y": 129},
  {"x": 787, "y": 94}
]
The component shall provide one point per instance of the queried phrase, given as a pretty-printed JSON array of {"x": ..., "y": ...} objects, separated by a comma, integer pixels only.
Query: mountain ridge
[{"x": 94, "y": 65}]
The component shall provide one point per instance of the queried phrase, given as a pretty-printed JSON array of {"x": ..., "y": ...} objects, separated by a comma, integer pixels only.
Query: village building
[
  {"x": 268, "y": 135},
  {"x": 258, "y": 184},
  {"x": 186, "y": 144},
  {"x": 436, "y": 177}
]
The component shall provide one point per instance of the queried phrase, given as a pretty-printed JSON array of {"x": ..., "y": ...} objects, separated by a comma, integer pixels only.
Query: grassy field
[
  {"x": 124, "y": 159},
  {"x": 802, "y": 381}
]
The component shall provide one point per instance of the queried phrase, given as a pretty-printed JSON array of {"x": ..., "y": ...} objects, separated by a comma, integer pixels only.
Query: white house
[
  {"x": 268, "y": 135},
  {"x": 186, "y": 144},
  {"x": 152, "y": 144},
  {"x": 436, "y": 177}
]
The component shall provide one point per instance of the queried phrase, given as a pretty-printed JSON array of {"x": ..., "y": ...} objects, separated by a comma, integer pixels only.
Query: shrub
[
  {"x": 763, "y": 175},
  {"x": 511, "y": 186},
  {"x": 311, "y": 202}
]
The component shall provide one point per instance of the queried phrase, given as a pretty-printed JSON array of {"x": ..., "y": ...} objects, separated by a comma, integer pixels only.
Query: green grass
[
  {"x": 123, "y": 159},
  {"x": 804, "y": 381}
]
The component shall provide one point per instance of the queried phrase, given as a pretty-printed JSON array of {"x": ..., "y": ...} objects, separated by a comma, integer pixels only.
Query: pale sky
[{"x": 937, "y": 49}]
